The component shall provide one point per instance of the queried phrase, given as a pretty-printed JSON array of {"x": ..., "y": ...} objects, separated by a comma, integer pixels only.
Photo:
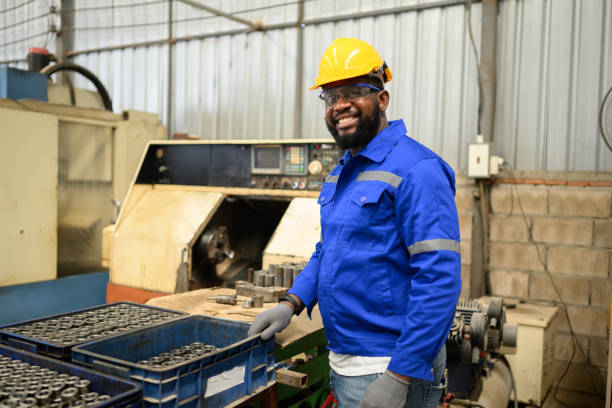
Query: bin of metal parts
[
  {"x": 55, "y": 335},
  {"x": 194, "y": 361},
  {"x": 31, "y": 380}
]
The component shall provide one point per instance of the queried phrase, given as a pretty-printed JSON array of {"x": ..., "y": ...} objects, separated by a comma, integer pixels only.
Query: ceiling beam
[{"x": 220, "y": 13}]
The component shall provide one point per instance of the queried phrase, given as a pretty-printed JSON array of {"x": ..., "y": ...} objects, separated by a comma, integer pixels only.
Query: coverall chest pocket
[
  {"x": 368, "y": 217},
  {"x": 371, "y": 204},
  {"x": 325, "y": 198}
]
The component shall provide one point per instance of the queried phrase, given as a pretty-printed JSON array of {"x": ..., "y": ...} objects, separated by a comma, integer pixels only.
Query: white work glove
[
  {"x": 271, "y": 321},
  {"x": 386, "y": 391}
]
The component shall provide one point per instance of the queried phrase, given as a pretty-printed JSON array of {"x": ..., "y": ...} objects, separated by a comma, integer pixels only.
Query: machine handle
[{"x": 110, "y": 368}]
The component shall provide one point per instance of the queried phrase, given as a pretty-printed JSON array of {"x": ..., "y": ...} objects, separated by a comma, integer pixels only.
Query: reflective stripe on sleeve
[
  {"x": 384, "y": 176},
  {"x": 331, "y": 179},
  {"x": 434, "y": 245}
]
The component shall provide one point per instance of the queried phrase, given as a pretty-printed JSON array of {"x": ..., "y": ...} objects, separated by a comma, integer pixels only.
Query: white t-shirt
[{"x": 351, "y": 366}]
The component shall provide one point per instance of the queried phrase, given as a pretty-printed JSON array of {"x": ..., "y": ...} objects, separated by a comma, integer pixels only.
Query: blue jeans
[{"x": 421, "y": 393}]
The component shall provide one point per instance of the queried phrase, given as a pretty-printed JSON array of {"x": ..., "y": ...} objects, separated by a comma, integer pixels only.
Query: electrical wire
[
  {"x": 132, "y": 5},
  {"x": 16, "y": 7},
  {"x": 512, "y": 382},
  {"x": 112, "y": 6},
  {"x": 184, "y": 20},
  {"x": 24, "y": 39},
  {"x": 468, "y": 4},
  {"x": 25, "y": 21},
  {"x": 558, "y": 293}
]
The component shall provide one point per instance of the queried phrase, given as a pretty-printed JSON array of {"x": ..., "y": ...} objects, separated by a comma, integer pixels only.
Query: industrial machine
[
  {"x": 475, "y": 370},
  {"x": 67, "y": 166},
  {"x": 200, "y": 214}
]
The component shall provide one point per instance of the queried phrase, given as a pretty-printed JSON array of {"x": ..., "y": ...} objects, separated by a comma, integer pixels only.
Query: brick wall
[
  {"x": 571, "y": 223},
  {"x": 465, "y": 202}
]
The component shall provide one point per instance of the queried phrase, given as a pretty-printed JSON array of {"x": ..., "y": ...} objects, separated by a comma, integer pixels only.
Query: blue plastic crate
[
  {"x": 238, "y": 366},
  {"x": 62, "y": 351},
  {"x": 124, "y": 393}
]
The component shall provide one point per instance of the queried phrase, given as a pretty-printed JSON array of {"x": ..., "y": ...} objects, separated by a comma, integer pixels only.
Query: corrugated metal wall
[
  {"x": 554, "y": 63},
  {"x": 24, "y": 24}
]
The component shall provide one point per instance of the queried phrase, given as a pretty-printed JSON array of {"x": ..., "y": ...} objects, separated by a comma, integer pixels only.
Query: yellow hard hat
[{"x": 349, "y": 58}]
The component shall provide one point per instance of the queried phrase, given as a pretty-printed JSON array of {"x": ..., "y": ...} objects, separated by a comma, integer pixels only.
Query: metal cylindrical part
[
  {"x": 278, "y": 274},
  {"x": 250, "y": 273},
  {"x": 258, "y": 300},
  {"x": 496, "y": 386},
  {"x": 296, "y": 272},
  {"x": 247, "y": 304},
  {"x": 69, "y": 395},
  {"x": 28, "y": 402},
  {"x": 268, "y": 280},
  {"x": 259, "y": 278},
  {"x": 83, "y": 386},
  {"x": 44, "y": 396},
  {"x": 90, "y": 397},
  {"x": 287, "y": 277}
]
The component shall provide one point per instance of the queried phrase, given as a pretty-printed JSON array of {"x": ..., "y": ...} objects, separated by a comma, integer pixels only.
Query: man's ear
[{"x": 383, "y": 100}]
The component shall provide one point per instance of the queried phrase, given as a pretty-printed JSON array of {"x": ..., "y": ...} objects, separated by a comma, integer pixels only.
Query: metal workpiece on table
[
  {"x": 247, "y": 304},
  {"x": 269, "y": 280},
  {"x": 287, "y": 276},
  {"x": 277, "y": 270},
  {"x": 296, "y": 272},
  {"x": 258, "y": 301},
  {"x": 224, "y": 299},
  {"x": 259, "y": 278},
  {"x": 250, "y": 275}
]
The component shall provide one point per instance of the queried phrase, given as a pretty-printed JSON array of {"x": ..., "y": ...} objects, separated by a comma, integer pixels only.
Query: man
[{"x": 387, "y": 271}]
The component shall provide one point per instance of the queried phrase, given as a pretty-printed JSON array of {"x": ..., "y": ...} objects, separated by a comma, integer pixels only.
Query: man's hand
[
  {"x": 271, "y": 321},
  {"x": 387, "y": 391}
]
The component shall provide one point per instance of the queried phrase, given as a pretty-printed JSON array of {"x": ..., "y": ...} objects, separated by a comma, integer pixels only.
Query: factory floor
[{"x": 572, "y": 399}]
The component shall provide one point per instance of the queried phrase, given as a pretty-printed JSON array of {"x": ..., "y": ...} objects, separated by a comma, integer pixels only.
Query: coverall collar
[{"x": 380, "y": 146}]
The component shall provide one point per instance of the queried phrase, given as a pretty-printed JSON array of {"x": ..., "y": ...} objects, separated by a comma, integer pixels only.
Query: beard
[{"x": 367, "y": 128}]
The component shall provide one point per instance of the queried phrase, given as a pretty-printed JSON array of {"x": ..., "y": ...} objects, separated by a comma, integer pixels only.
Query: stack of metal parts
[
  {"x": 273, "y": 282},
  {"x": 90, "y": 325},
  {"x": 476, "y": 336},
  {"x": 23, "y": 385},
  {"x": 178, "y": 355},
  {"x": 277, "y": 275}
]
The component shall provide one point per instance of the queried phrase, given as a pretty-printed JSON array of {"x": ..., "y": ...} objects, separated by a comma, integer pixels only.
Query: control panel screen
[{"x": 267, "y": 159}]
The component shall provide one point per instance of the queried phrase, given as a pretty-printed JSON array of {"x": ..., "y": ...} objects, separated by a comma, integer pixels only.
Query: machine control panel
[
  {"x": 285, "y": 165},
  {"x": 293, "y": 166}
]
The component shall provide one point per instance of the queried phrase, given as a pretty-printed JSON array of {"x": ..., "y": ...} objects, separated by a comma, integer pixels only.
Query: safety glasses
[{"x": 348, "y": 93}]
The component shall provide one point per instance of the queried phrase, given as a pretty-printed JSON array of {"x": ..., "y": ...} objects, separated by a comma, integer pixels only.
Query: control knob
[{"x": 315, "y": 167}]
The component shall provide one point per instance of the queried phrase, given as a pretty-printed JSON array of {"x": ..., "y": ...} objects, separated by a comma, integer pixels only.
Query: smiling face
[{"x": 353, "y": 123}]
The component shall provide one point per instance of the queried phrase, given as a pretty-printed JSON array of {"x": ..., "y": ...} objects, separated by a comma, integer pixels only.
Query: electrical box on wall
[{"x": 479, "y": 159}]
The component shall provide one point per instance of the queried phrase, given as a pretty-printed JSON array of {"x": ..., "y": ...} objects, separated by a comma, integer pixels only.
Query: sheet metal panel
[
  {"x": 554, "y": 66},
  {"x": 553, "y": 70},
  {"x": 25, "y": 24}
]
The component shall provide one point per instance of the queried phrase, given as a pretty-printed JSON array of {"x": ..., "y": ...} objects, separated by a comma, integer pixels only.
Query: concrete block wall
[
  {"x": 571, "y": 222},
  {"x": 464, "y": 199}
]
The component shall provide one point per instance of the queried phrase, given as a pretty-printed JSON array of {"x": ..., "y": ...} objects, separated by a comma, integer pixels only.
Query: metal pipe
[
  {"x": 221, "y": 13},
  {"x": 281, "y": 26},
  {"x": 299, "y": 73},
  {"x": 169, "y": 97},
  {"x": 496, "y": 387},
  {"x": 13, "y": 61},
  {"x": 487, "y": 66}
]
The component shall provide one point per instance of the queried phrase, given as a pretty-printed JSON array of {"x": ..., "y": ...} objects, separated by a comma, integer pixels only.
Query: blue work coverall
[{"x": 387, "y": 271}]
